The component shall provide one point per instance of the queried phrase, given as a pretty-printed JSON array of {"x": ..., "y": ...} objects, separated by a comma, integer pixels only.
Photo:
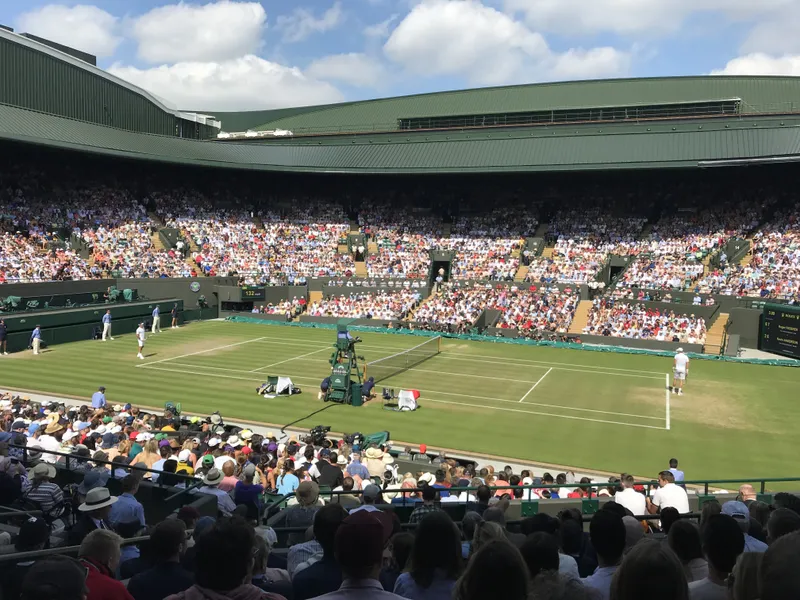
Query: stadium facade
[{"x": 52, "y": 96}]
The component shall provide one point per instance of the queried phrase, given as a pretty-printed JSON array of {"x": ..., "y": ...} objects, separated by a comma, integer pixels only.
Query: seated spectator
[
  {"x": 485, "y": 532},
  {"x": 741, "y": 514},
  {"x": 127, "y": 508},
  {"x": 34, "y": 534},
  {"x": 743, "y": 581},
  {"x": 224, "y": 561},
  {"x": 248, "y": 493},
  {"x": 40, "y": 489},
  {"x": 542, "y": 523},
  {"x": 782, "y": 521},
  {"x": 684, "y": 539},
  {"x": 210, "y": 485},
  {"x": 167, "y": 576},
  {"x": 400, "y": 547},
  {"x": 668, "y": 494},
  {"x": 322, "y": 574},
  {"x": 428, "y": 506},
  {"x": 607, "y": 533},
  {"x": 435, "y": 560},
  {"x": 301, "y": 514},
  {"x": 268, "y": 579},
  {"x": 99, "y": 553},
  {"x": 94, "y": 514},
  {"x": 650, "y": 570},
  {"x": 55, "y": 577},
  {"x": 629, "y": 498},
  {"x": 540, "y": 553},
  {"x": 723, "y": 542},
  {"x": 505, "y": 564},
  {"x": 779, "y": 575}
]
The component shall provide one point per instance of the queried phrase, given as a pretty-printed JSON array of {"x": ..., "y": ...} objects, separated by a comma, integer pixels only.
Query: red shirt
[{"x": 101, "y": 585}]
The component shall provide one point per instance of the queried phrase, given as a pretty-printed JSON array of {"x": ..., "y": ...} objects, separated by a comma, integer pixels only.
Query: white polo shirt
[
  {"x": 681, "y": 362},
  {"x": 672, "y": 495},
  {"x": 632, "y": 500}
]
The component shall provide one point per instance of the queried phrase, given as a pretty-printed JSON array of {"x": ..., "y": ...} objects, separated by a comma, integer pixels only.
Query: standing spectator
[
  {"x": 94, "y": 515},
  {"x": 156, "y": 328},
  {"x": 55, "y": 578},
  {"x": 248, "y": 493},
  {"x": 427, "y": 507},
  {"x": 324, "y": 575},
  {"x": 107, "y": 326},
  {"x": 650, "y": 570},
  {"x": 676, "y": 472},
  {"x": 684, "y": 539},
  {"x": 128, "y": 508},
  {"x": 723, "y": 542},
  {"x": 668, "y": 494},
  {"x": 99, "y": 398},
  {"x": 505, "y": 564},
  {"x": 36, "y": 339},
  {"x": 779, "y": 575},
  {"x": 167, "y": 576},
  {"x": 224, "y": 562},
  {"x": 436, "y": 560},
  {"x": 99, "y": 553},
  {"x": 607, "y": 533},
  {"x": 359, "y": 545},
  {"x": 629, "y": 497}
]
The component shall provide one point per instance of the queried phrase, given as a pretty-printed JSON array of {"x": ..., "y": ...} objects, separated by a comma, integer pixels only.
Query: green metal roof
[
  {"x": 758, "y": 95},
  {"x": 538, "y": 149}
]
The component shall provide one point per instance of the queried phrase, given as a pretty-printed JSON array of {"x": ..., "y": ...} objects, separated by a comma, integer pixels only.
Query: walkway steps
[
  {"x": 541, "y": 230},
  {"x": 581, "y": 318},
  {"x": 157, "y": 243},
  {"x": 548, "y": 252},
  {"x": 314, "y": 297},
  {"x": 372, "y": 247},
  {"x": 361, "y": 268},
  {"x": 715, "y": 335},
  {"x": 521, "y": 273}
]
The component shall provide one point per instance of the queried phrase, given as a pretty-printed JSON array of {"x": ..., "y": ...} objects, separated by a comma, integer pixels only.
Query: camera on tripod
[{"x": 317, "y": 435}]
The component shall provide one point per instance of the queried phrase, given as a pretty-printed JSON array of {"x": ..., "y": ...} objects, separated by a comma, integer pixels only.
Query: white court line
[
  {"x": 458, "y": 395},
  {"x": 666, "y": 376},
  {"x": 533, "y": 387},
  {"x": 291, "y": 359},
  {"x": 153, "y": 362}
]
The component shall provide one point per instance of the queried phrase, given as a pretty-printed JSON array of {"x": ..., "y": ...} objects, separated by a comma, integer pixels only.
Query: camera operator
[{"x": 329, "y": 474}]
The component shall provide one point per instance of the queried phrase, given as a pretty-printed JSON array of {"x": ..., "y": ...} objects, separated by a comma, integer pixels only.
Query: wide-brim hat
[
  {"x": 233, "y": 441},
  {"x": 307, "y": 492},
  {"x": 341, "y": 460},
  {"x": 374, "y": 453},
  {"x": 96, "y": 499},
  {"x": 42, "y": 471},
  {"x": 93, "y": 480},
  {"x": 53, "y": 427},
  {"x": 213, "y": 478}
]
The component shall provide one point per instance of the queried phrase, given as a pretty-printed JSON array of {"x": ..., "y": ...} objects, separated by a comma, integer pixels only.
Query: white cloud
[
  {"x": 356, "y": 69},
  {"x": 762, "y": 64},
  {"x": 775, "y": 36},
  {"x": 380, "y": 30},
  {"x": 302, "y": 23},
  {"x": 82, "y": 27},
  {"x": 650, "y": 17},
  {"x": 487, "y": 47},
  {"x": 191, "y": 32},
  {"x": 245, "y": 83}
]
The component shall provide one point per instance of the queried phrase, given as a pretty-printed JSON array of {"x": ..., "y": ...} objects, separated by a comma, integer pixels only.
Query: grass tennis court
[{"x": 590, "y": 410}]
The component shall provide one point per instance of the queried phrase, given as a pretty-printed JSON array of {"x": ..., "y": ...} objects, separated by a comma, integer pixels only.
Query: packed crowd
[
  {"x": 289, "y": 308},
  {"x": 626, "y": 320},
  {"x": 353, "y": 545},
  {"x": 389, "y": 306}
]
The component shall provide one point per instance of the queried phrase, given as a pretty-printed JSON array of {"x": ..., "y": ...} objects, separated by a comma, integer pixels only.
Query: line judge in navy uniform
[{"x": 3, "y": 337}]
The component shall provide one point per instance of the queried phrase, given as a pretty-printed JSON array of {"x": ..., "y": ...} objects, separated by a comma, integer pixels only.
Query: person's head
[
  {"x": 673, "y": 463},
  {"x": 130, "y": 484},
  {"x": 540, "y": 522},
  {"x": 787, "y": 500},
  {"x": 504, "y": 563},
  {"x": 437, "y": 546},
  {"x": 665, "y": 477},
  {"x": 684, "y": 539},
  {"x": 743, "y": 580},
  {"x": 55, "y": 578},
  {"x": 469, "y": 523},
  {"x": 326, "y": 523},
  {"x": 348, "y": 483},
  {"x": 650, "y": 570},
  {"x": 747, "y": 492},
  {"x": 103, "y": 547},
  {"x": 400, "y": 547},
  {"x": 607, "y": 533},
  {"x": 540, "y": 552},
  {"x": 760, "y": 512},
  {"x": 359, "y": 544},
  {"x": 168, "y": 540},
  {"x": 552, "y": 586},
  {"x": 571, "y": 537},
  {"x": 34, "y": 534},
  {"x": 485, "y": 532},
  {"x": 723, "y": 542},
  {"x": 224, "y": 555},
  {"x": 669, "y": 516},
  {"x": 428, "y": 494},
  {"x": 781, "y": 522},
  {"x": 710, "y": 508},
  {"x": 483, "y": 494},
  {"x": 227, "y": 469},
  {"x": 779, "y": 575},
  {"x": 627, "y": 480}
]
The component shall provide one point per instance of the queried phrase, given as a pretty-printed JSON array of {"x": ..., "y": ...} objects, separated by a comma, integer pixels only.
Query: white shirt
[
  {"x": 140, "y": 334},
  {"x": 221, "y": 460},
  {"x": 705, "y": 589},
  {"x": 632, "y": 500},
  {"x": 672, "y": 495},
  {"x": 681, "y": 362}
]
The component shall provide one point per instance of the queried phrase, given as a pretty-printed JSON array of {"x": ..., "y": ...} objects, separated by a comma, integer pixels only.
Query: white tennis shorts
[
  {"x": 679, "y": 374},
  {"x": 141, "y": 344}
]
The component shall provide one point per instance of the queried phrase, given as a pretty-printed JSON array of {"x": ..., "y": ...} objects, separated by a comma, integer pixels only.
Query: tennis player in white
[
  {"x": 140, "y": 337},
  {"x": 680, "y": 368}
]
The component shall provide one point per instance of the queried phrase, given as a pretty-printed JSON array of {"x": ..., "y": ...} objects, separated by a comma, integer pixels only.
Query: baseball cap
[
  {"x": 33, "y": 532},
  {"x": 55, "y": 577},
  {"x": 737, "y": 510},
  {"x": 184, "y": 455},
  {"x": 208, "y": 460},
  {"x": 249, "y": 470},
  {"x": 679, "y": 350},
  {"x": 361, "y": 538},
  {"x": 163, "y": 443},
  {"x": 324, "y": 453},
  {"x": 372, "y": 491},
  {"x": 247, "y": 450}
]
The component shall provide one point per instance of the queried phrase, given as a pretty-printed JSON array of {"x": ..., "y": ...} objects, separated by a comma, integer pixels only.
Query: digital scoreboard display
[
  {"x": 253, "y": 292},
  {"x": 780, "y": 330}
]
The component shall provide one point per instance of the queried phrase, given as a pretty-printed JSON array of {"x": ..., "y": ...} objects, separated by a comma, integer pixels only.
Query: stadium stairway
[
  {"x": 156, "y": 219},
  {"x": 581, "y": 317},
  {"x": 314, "y": 297},
  {"x": 157, "y": 243},
  {"x": 521, "y": 273},
  {"x": 548, "y": 252},
  {"x": 541, "y": 231},
  {"x": 715, "y": 334},
  {"x": 447, "y": 229},
  {"x": 372, "y": 247},
  {"x": 354, "y": 226},
  {"x": 361, "y": 268}
]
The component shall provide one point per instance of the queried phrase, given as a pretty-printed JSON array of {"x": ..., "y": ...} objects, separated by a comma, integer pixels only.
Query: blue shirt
[
  {"x": 679, "y": 476},
  {"x": 751, "y": 544},
  {"x": 98, "y": 400},
  {"x": 600, "y": 580},
  {"x": 287, "y": 483},
  {"x": 37, "y": 334},
  {"x": 106, "y": 318},
  {"x": 155, "y": 311},
  {"x": 356, "y": 468},
  {"x": 440, "y": 588},
  {"x": 126, "y": 509}
]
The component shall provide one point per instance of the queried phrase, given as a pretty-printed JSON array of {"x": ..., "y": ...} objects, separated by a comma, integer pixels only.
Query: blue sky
[{"x": 231, "y": 55}]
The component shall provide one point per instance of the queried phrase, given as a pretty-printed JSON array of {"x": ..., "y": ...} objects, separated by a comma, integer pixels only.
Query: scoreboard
[
  {"x": 780, "y": 330},
  {"x": 253, "y": 292}
]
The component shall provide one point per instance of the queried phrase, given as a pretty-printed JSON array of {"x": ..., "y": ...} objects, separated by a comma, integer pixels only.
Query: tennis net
[{"x": 402, "y": 361}]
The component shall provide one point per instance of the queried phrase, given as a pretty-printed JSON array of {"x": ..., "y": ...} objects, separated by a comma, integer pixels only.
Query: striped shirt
[{"x": 46, "y": 494}]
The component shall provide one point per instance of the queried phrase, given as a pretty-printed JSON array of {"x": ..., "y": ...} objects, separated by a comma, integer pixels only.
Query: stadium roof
[
  {"x": 662, "y": 144},
  {"x": 757, "y": 95}
]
